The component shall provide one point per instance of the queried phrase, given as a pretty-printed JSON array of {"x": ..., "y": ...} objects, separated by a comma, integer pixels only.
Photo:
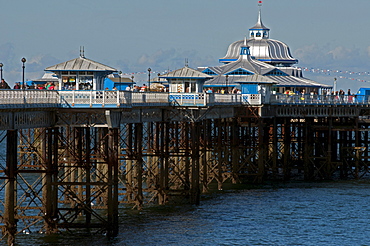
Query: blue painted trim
[
  {"x": 239, "y": 69},
  {"x": 209, "y": 71},
  {"x": 276, "y": 60},
  {"x": 199, "y": 78},
  {"x": 227, "y": 60}
]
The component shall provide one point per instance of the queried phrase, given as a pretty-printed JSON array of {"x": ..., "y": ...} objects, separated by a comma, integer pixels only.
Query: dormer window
[
  {"x": 258, "y": 35},
  {"x": 265, "y": 34},
  {"x": 252, "y": 34},
  {"x": 244, "y": 51}
]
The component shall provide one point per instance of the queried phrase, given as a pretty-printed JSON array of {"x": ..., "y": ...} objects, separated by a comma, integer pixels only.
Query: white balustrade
[
  {"x": 150, "y": 99},
  {"x": 188, "y": 99},
  {"x": 82, "y": 99},
  {"x": 319, "y": 99},
  {"x": 123, "y": 99},
  {"x": 28, "y": 98},
  {"x": 227, "y": 98}
]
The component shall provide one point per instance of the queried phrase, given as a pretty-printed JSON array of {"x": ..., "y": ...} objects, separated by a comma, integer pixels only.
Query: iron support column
[{"x": 10, "y": 197}]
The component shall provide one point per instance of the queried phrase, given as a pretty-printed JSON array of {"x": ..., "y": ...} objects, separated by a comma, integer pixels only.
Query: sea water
[{"x": 324, "y": 213}]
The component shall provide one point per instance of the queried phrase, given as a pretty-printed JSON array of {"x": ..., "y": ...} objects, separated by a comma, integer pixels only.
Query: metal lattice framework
[{"x": 78, "y": 173}]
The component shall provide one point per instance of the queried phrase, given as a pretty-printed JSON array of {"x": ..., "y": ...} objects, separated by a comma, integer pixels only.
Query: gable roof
[
  {"x": 237, "y": 80},
  {"x": 81, "y": 64},
  {"x": 185, "y": 72}
]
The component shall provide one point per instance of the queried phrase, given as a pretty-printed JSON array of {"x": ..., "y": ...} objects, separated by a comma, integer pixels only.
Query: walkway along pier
[{"x": 72, "y": 159}]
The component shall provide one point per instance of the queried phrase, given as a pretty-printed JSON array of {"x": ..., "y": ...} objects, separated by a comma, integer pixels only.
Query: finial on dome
[{"x": 259, "y": 31}]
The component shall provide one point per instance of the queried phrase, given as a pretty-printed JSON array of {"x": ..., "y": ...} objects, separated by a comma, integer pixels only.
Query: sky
[{"x": 329, "y": 36}]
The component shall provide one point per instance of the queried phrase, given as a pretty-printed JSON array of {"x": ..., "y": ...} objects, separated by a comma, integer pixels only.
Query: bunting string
[
  {"x": 146, "y": 72},
  {"x": 339, "y": 73}
]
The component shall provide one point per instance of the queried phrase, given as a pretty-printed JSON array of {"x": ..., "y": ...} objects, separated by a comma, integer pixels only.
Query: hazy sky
[{"x": 134, "y": 35}]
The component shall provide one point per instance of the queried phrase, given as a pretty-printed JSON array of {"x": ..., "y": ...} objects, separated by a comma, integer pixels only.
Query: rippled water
[{"x": 330, "y": 213}]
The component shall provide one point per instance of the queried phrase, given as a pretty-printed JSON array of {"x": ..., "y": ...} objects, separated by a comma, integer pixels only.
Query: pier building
[
  {"x": 81, "y": 74},
  {"x": 73, "y": 157},
  {"x": 269, "y": 59},
  {"x": 186, "y": 80}
]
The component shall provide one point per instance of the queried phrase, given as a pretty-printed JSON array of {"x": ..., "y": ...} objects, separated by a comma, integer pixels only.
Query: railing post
[
  {"x": 73, "y": 98},
  {"x": 103, "y": 103},
  {"x": 91, "y": 98}
]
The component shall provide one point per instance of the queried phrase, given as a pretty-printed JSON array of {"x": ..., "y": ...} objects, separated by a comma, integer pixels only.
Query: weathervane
[{"x": 260, "y": 3}]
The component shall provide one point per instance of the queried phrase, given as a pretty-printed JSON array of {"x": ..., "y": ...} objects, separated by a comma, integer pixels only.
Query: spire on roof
[{"x": 259, "y": 31}]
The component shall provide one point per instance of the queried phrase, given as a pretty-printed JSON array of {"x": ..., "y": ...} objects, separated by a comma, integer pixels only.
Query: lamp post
[
  {"x": 227, "y": 89},
  {"x": 120, "y": 76},
  {"x": 335, "y": 85},
  {"x": 23, "y": 60},
  {"x": 132, "y": 80},
  {"x": 149, "y": 70},
  {"x": 1, "y": 71}
]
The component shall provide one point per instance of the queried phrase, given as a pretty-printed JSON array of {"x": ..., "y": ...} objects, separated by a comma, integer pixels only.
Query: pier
[{"x": 73, "y": 159}]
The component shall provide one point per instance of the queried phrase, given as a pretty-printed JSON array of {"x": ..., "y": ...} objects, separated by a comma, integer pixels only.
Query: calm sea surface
[{"x": 325, "y": 213}]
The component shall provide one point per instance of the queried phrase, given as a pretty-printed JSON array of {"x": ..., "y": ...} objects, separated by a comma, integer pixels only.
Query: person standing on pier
[
  {"x": 341, "y": 95},
  {"x": 4, "y": 85},
  {"x": 16, "y": 86}
]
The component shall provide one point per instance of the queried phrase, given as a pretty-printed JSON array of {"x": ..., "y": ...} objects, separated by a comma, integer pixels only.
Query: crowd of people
[
  {"x": 326, "y": 95},
  {"x": 222, "y": 91},
  {"x": 19, "y": 86}
]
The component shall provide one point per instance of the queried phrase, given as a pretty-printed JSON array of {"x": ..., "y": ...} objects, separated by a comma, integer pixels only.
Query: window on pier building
[
  {"x": 239, "y": 72},
  {"x": 85, "y": 80},
  {"x": 184, "y": 85},
  {"x": 72, "y": 80},
  {"x": 209, "y": 72},
  {"x": 69, "y": 82},
  {"x": 276, "y": 72}
]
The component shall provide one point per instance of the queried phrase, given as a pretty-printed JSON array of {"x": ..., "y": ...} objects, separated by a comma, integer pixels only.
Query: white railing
[
  {"x": 28, "y": 98},
  {"x": 319, "y": 99},
  {"x": 189, "y": 99},
  {"x": 150, "y": 99},
  {"x": 252, "y": 99},
  {"x": 225, "y": 99},
  {"x": 95, "y": 98},
  {"x": 118, "y": 99}
]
